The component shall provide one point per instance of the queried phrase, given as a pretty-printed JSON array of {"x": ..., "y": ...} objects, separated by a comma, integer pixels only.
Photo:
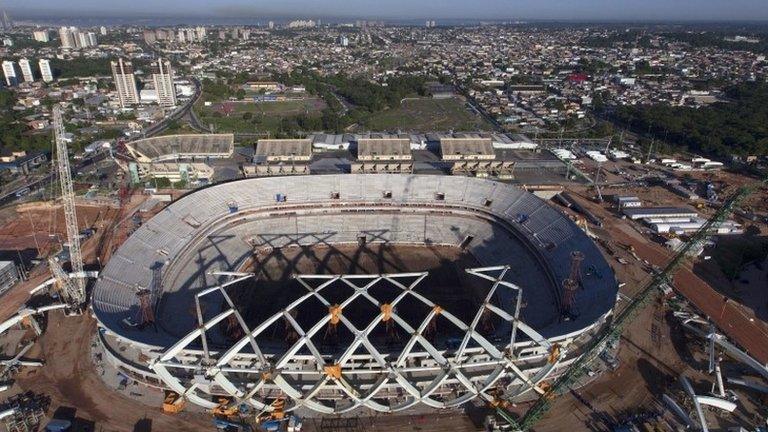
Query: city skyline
[{"x": 598, "y": 10}]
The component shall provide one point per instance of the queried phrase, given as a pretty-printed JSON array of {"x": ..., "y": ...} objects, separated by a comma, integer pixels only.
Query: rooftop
[
  {"x": 467, "y": 148},
  {"x": 638, "y": 212},
  {"x": 383, "y": 148},
  {"x": 284, "y": 150}
]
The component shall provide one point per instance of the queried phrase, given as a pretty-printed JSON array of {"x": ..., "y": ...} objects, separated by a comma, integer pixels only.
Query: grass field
[
  {"x": 265, "y": 116},
  {"x": 290, "y": 107},
  {"x": 424, "y": 115}
]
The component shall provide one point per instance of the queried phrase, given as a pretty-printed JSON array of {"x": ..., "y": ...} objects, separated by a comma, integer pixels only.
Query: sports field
[
  {"x": 426, "y": 114},
  {"x": 249, "y": 116}
]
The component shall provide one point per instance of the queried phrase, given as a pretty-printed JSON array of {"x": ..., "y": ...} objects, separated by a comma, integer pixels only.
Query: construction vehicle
[
  {"x": 276, "y": 414},
  {"x": 612, "y": 332},
  {"x": 238, "y": 418},
  {"x": 276, "y": 420},
  {"x": 231, "y": 426},
  {"x": 173, "y": 403},
  {"x": 231, "y": 417},
  {"x": 225, "y": 409}
]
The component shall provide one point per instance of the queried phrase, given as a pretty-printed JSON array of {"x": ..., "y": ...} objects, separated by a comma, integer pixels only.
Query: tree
[
  {"x": 721, "y": 129},
  {"x": 162, "y": 183}
]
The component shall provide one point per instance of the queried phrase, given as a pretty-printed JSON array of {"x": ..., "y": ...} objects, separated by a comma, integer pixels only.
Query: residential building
[
  {"x": 125, "y": 83},
  {"x": 26, "y": 70},
  {"x": 41, "y": 35},
  {"x": 45, "y": 70},
  {"x": 162, "y": 76},
  {"x": 9, "y": 71},
  {"x": 200, "y": 33},
  {"x": 68, "y": 37},
  {"x": 73, "y": 38},
  {"x": 82, "y": 40}
]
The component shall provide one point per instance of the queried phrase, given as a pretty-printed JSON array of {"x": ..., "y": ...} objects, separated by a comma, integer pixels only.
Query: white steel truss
[
  {"x": 24, "y": 315},
  {"x": 438, "y": 378},
  {"x": 77, "y": 297}
]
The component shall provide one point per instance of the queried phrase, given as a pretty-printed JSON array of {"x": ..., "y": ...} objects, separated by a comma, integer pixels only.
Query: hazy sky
[{"x": 715, "y": 10}]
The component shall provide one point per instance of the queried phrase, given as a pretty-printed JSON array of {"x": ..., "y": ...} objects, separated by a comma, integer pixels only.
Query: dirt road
[
  {"x": 71, "y": 380},
  {"x": 735, "y": 320}
]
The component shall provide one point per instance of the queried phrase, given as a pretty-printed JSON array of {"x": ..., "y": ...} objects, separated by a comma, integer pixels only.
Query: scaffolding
[
  {"x": 571, "y": 284},
  {"x": 146, "y": 313}
]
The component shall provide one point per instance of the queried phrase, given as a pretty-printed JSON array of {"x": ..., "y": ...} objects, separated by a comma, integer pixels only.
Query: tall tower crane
[{"x": 74, "y": 289}]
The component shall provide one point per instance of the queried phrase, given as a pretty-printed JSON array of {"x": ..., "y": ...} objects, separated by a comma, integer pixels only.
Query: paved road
[
  {"x": 181, "y": 112},
  {"x": 42, "y": 182}
]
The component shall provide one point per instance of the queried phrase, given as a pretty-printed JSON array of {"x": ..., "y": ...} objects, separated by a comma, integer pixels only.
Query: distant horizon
[
  {"x": 609, "y": 11},
  {"x": 212, "y": 19}
]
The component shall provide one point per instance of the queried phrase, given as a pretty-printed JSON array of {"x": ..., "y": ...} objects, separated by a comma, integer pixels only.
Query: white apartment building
[
  {"x": 45, "y": 70},
  {"x": 201, "y": 32},
  {"x": 68, "y": 37},
  {"x": 26, "y": 70},
  {"x": 162, "y": 75},
  {"x": 125, "y": 83},
  {"x": 41, "y": 35},
  {"x": 9, "y": 71}
]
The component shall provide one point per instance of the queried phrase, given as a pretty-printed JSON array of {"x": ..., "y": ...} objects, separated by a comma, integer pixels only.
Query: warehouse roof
[{"x": 641, "y": 212}]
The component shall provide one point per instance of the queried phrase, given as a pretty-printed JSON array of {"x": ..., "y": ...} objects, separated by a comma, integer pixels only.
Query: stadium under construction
[
  {"x": 353, "y": 293},
  {"x": 379, "y": 288}
]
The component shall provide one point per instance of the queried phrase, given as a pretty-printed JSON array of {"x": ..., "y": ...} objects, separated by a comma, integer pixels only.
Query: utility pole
[
  {"x": 70, "y": 215},
  {"x": 650, "y": 149}
]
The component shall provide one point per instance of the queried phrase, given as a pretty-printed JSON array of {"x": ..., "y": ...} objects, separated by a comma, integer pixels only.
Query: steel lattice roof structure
[
  {"x": 388, "y": 370},
  {"x": 193, "y": 253}
]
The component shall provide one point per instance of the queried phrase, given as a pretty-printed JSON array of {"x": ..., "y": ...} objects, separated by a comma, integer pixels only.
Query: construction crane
[
  {"x": 70, "y": 293},
  {"x": 77, "y": 295},
  {"x": 596, "y": 346}
]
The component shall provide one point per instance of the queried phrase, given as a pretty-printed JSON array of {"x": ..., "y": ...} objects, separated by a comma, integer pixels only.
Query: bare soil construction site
[{"x": 40, "y": 226}]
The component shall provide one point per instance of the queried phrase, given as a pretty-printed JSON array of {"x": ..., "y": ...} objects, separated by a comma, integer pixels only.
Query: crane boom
[
  {"x": 625, "y": 316},
  {"x": 68, "y": 199}
]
